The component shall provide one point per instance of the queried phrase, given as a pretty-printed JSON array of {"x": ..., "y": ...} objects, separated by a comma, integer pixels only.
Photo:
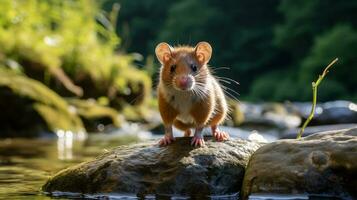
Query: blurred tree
[
  {"x": 139, "y": 23},
  {"x": 278, "y": 85},
  {"x": 308, "y": 43},
  {"x": 303, "y": 20},
  {"x": 337, "y": 42}
]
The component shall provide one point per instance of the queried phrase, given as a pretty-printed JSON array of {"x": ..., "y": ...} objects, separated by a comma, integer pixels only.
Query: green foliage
[
  {"x": 264, "y": 87},
  {"x": 275, "y": 86},
  {"x": 304, "y": 20},
  {"x": 295, "y": 34},
  {"x": 73, "y": 36},
  {"x": 72, "y": 49},
  {"x": 338, "y": 41},
  {"x": 93, "y": 114}
]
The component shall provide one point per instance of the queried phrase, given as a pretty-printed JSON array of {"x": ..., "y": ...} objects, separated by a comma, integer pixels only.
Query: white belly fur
[
  {"x": 186, "y": 118},
  {"x": 183, "y": 103}
]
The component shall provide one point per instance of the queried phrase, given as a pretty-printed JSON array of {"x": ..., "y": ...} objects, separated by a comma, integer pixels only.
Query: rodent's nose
[{"x": 184, "y": 82}]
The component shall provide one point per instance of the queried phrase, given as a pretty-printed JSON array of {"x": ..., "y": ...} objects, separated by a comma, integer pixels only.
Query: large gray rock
[
  {"x": 323, "y": 163},
  {"x": 178, "y": 169}
]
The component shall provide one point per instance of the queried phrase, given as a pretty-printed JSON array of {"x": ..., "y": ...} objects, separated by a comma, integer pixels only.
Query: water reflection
[
  {"x": 65, "y": 140},
  {"x": 64, "y": 145}
]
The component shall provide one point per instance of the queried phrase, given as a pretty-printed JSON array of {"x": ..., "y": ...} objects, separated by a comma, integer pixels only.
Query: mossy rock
[
  {"x": 94, "y": 114},
  {"x": 30, "y": 107}
]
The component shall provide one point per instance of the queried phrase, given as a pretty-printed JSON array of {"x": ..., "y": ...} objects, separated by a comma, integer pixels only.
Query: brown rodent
[{"x": 189, "y": 95}]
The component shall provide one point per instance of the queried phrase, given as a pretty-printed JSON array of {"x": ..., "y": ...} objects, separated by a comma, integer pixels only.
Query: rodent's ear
[
  {"x": 203, "y": 51},
  {"x": 163, "y": 52}
]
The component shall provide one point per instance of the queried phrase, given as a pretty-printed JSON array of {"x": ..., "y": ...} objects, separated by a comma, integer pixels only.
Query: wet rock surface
[
  {"x": 178, "y": 169},
  {"x": 292, "y": 133},
  {"x": 323, "y": 163}
]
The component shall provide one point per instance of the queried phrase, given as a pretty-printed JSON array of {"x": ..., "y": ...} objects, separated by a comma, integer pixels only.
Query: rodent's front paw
[
  {"x": 166, "y": 140},
  {"x": 198, "y": 141}
]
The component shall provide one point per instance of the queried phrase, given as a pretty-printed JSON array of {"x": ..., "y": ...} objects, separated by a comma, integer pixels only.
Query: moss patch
[
  {"x": 93, "y": 114},
  {"x": 51, "y": 108}
]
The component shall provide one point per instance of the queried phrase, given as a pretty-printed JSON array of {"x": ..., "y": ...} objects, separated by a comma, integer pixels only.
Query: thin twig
[{"x": 314, "y": 97}]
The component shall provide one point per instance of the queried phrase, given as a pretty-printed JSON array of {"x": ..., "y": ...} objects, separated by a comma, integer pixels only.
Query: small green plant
[{"x": 314, "y": 97}]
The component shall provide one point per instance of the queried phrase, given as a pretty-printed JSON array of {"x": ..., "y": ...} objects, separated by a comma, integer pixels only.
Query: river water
[{"x": 26, "y": 164}]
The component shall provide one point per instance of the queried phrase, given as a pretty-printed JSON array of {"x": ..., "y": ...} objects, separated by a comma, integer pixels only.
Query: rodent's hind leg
[
  {"x": 218, "y": 134},
  {"x": 198, "y": 140}
]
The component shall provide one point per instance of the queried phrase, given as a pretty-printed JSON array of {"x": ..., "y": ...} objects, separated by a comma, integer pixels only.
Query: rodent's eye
[
  {"x": 173, "y": 68},
  {"x": 194, "y": 67}
]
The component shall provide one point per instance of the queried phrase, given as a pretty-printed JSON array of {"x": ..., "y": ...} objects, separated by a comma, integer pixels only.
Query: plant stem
[{"x": 314, "y": 97}]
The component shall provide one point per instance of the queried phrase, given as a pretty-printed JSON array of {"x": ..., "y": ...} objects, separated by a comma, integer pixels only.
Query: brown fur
[
  {"x": 209, "y": 110},
  {"x": 182, "y": 126},
  {"x": 168, "y": 113}
]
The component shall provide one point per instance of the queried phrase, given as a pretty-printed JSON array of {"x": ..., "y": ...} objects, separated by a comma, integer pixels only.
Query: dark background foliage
[{"x": 275, "y": 49}]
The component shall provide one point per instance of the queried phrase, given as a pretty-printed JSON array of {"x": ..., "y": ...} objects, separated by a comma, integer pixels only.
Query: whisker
[
  {"x": 231, "y": 96},
  {"x": 224, "y": 81},
  {"x": 215, "y": 69},
  {"x": 199, "y": 88},
  {"x": 227, "y": 91},
  {"x": 227, "y": 79},
  {"x": 197, "y": 93},
  {"x": 220, "y": 68},
  {"x": 235, "y": 92}
]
